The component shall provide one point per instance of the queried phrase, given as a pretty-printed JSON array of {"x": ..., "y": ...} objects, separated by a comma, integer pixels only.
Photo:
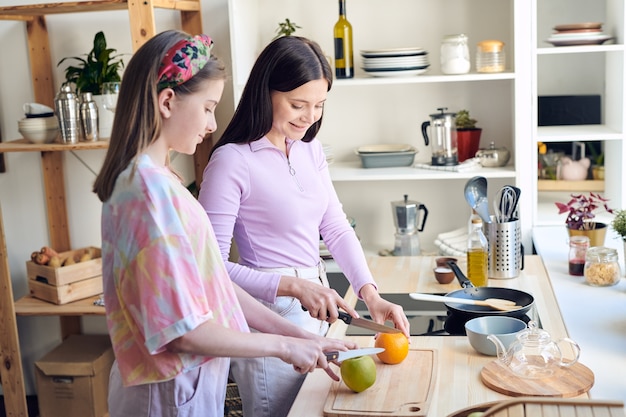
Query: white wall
[{"x": 21, "y": 191}]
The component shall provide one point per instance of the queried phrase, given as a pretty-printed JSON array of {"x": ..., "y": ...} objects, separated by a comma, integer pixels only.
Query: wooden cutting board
[
  {"x": 565, "y": 383},
  {"x": 401, "y": 390},
  {"x": 545, "y": 407}
]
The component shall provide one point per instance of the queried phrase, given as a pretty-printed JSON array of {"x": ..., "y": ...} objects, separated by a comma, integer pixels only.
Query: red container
[{"x": 468, "y": 143}]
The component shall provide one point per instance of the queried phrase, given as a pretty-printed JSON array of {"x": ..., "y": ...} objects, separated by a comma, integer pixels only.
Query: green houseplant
[
  {"x": 581, "y": 212},
  {"x": 467, "y": 134},
  {"x": 619, "y": 224},
  {"x": 100, "y": 65},
  {"x": 286, "y": 28}
]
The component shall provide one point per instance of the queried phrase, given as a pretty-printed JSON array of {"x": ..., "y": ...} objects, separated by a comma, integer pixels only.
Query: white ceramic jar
[{"x": 455, "y": 56}]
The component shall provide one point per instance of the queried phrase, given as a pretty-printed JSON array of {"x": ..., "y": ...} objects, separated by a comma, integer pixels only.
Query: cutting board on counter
[
  {"x": 545, "y": 407},
  {"x": 565, "y": 383},
  {"x": 401, "y": 390}
]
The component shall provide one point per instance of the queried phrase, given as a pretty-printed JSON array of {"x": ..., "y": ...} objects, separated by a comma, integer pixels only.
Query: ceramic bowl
[
  {"x": 505, "y": 328},
  {"x": 39, "y": 135},
  {"x": 443, "y": 274},
  {"x": 443, "y": 261}
]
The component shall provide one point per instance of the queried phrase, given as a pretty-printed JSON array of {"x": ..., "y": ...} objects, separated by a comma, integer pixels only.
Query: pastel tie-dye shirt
[{"x": 163, "y": 273}]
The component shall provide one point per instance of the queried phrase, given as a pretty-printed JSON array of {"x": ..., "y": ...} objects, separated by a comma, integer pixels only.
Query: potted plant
[
  {"x": 581, "y": 211},
  {"x": 99, "y": 66},
  {"x": 597, "y": 161},
  {"x": 467, "y": 134},
  {"x": 286, "y": 28}
]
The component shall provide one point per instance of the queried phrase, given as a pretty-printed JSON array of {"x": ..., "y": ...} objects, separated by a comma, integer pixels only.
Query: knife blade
[
  {"x": 342, "y": 355},
  {"x": 366, "y": 324}
]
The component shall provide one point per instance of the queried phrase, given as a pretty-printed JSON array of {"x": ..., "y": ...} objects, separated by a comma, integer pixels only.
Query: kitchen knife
[
  {"x": 366, "y": 324},
  {"x": 341, "y": 355}
]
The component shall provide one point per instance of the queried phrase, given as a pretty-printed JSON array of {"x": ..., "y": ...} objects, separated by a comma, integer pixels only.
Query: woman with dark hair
[
  {"x": 267, "y": 186},
  {"x": 173, "y": 314}
]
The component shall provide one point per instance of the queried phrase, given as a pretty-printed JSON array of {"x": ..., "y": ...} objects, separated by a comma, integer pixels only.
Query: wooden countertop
[{"x": 458, "y": 375}]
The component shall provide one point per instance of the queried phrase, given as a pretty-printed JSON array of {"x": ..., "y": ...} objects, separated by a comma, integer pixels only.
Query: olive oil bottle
[
  {"x": 477, "y": 255},
  {"x": 344, "y": 56}
]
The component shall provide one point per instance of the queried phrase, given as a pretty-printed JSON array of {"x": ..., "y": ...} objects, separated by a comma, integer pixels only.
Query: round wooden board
[{"x": 565, "y": 383}]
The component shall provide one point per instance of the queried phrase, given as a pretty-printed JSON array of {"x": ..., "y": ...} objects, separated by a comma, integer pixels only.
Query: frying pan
[{"x": 465, "y": 312}]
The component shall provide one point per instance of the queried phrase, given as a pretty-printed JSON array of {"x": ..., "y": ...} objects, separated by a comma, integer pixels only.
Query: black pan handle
[{"x": 460, "y": 276}]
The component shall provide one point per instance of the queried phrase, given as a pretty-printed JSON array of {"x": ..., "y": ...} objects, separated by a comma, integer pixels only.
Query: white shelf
[
  {"x": 435, "y": 78},
  {"x": 352, "y": 171},
  {"x": 583, "y": 49},
  {"x": 577, "y": 133}
]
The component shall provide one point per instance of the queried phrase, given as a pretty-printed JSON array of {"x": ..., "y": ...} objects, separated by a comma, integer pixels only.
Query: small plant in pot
[
  {"x": 619, "y": 224},
  {"x": 467, "y": 134},
  {"x": 581, "y": 212},
  {"x": 98, "y": 67}
]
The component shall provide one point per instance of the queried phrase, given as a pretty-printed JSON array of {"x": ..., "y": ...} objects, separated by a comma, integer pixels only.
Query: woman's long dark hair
[{"x": 284, "y": 65}]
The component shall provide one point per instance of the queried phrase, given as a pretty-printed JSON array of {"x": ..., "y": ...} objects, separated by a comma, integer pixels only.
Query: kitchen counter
[
  {"x": 594, "y": 316},
  {"x": 458, "y": 383}
]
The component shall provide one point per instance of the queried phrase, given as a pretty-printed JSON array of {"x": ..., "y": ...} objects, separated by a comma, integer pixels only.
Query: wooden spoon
[{"x": 495, "y": 303}]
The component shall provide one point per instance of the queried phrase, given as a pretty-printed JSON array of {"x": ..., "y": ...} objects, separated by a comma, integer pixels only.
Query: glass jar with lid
[
  {"x": 454, "y": 57},
  {"x": 602, "y": 267},
  {"x": 490, "y": 56},
  {"x": 578, "y": 246}
]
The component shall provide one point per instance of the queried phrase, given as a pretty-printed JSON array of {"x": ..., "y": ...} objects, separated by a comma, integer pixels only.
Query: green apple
[{"x": 358, "y": 373}]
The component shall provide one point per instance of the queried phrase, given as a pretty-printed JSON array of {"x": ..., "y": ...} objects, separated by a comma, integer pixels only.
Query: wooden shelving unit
[
  {"x": 142, "y": 28},
  {"x": 560, "y": 185}
]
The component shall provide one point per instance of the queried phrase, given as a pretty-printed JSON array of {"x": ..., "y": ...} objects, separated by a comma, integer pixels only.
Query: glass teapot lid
[{"x": 534, "y": 335}]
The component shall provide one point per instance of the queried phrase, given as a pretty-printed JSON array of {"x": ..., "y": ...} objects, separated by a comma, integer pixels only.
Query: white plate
[
  {"x": 403, "y": 73},
  {"x": 577, "y": 35},
  {"x": 574, "y": 42},
  {"x": 392, "y": 52},
  {"x": 385, "y": 147}
]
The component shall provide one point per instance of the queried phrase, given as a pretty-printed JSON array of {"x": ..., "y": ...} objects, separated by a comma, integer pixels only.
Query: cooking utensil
[
  {"x": 366, "y": 324},
  {"x": 342, "y": 355},
  {"x": 476, "y": 196},
  {"x": 495, "y": 303},
  {"x": 522, "y": 299},
  {"x": 504, "y": 204}
]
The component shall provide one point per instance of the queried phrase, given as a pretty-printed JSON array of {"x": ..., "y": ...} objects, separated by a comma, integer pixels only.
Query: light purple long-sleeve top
[{"x": 276, "y": 208}]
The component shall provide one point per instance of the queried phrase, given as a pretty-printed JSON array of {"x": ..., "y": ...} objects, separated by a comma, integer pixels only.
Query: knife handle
[
  {"x": 345, "y": 317},
  {"x": 331, "y": 356}
]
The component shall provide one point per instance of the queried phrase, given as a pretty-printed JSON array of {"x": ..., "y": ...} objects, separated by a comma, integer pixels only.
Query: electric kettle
[{"x": 443, "y": 139}]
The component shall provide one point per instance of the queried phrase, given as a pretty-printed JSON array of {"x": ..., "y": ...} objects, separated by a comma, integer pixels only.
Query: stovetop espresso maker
[
  {"x": 406, "y": 217},
  {"x": 443, "y": 140}
]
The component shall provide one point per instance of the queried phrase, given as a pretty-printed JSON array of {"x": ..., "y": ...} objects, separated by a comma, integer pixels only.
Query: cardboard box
[
  {"x": 73, "y": 379},
  {"x": 64, "y": 294},
  {"x": 67, "y": 274}
]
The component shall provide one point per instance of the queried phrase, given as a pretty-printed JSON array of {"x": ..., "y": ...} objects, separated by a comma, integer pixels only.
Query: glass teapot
[{"x": 534, "y": 354}]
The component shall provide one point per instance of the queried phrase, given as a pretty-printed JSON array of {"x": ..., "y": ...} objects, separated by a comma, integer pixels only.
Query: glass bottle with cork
[
  {"x": 477, "y": 255},
  {"x": 344, "y": 56}
]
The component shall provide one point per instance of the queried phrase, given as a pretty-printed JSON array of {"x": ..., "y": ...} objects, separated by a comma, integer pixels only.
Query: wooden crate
[
  {"x": 63, "y": 294},
  {"x": 66, "y": 274}
]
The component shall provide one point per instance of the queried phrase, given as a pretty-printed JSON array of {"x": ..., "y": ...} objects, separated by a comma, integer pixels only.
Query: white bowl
[
  {"x": 505, "y": 328},
  {"x": 40, "y": 136},
  {"x": 38, "y": 122}
]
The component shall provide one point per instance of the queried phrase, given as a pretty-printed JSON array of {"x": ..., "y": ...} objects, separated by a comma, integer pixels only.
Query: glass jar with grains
[{"x": 602, "y": 267}]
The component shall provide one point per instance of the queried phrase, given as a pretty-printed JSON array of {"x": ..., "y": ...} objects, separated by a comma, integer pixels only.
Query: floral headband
[{"x": 184, "y": 60}]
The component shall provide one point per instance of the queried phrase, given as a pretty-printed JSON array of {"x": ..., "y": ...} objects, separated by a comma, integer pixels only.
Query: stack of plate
[
  {"x": 383, "y": 155},
  {"x": 328, "y": 152},
  {"x": 395, "y": 62},
  {"x": 571, "y": 34}
]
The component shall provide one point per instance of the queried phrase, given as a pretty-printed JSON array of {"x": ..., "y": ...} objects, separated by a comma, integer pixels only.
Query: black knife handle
[
  {"x": 345, "y": 317},
  {"x": 331, "y": 356}
]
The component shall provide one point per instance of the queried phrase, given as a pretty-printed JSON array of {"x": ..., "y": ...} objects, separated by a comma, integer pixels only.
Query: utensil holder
[{"x": 505, "y": 248}]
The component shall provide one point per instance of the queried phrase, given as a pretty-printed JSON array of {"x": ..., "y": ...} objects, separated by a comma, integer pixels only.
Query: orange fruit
[
  {"x": 396, "y": 347},
  {"x": 358, "y": 373}
]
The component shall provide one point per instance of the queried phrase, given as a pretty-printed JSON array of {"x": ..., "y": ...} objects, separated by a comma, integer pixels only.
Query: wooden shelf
[
  {"x": 560, "y": 185},
  {"x": 25, "y": 12},
  {"x": 31, "y": 306},
  {"x": 22, "y": 145}
]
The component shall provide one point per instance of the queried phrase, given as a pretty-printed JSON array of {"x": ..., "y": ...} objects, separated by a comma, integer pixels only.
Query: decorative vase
[
  {"x": 468, "y": 142},
  {"x": 105, "y": 118},
  {"x": 597, "y": 172},
  {"x": 596, "y": 236}
]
